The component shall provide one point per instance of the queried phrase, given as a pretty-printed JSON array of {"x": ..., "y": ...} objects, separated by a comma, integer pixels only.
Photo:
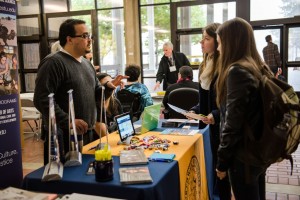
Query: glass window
[
  {"x": 200, "y": 15},
  {"x": 294, "y": 44},
  {"x": 30, "y": 82},
  {"x": 150, "y": 83},
  {"x": 82, "y": 5},
  {"x": 293, "y": 77},
  {"x": 145, "y": 2},
  {"x": 31, "y": 60},
  {"x": 191, "y": 47},
  {"x": 54, "y": 6},
  {"x": 276, "y": 9},
  {"x": 155, "y": 22},
  {"x": 28, "y": 7},
  {"x": 261, "y": 41},
  {"x": 109, "y": 3},
  {"x": 54, "y": 24},
  {"x": 28, "y": 26},
  {"x": 112, "y": 41}
]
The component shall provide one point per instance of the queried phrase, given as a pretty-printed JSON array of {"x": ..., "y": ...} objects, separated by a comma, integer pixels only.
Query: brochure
[{"x": 134, "y": 175}]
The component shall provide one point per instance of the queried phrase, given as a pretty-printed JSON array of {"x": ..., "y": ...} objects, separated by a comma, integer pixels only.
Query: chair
[
  {"x": 30, "y": 113},
  {"x": 184, "y": 98},
  {"x": 131, "y": 102}
]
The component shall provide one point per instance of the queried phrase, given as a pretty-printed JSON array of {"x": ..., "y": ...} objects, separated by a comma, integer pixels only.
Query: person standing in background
[
  {"x": 55, "y": 47},
  {"x": 208, "y": 73},
  {"x": 169, "y": 66},
  {"x": 89, "y": 57},
  {"x": 271, "y": 56}
]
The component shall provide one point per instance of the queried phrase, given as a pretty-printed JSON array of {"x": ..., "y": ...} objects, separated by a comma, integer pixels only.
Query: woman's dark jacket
[{"x": 243, "y": 106}]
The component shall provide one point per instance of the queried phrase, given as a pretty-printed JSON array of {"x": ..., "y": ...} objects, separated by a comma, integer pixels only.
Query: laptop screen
[{"x": 125, "y": 126}]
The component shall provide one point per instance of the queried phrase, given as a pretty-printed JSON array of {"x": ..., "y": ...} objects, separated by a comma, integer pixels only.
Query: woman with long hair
[
  {"x": 208, "y": 73},
  {"x": 240, "y": 104}
]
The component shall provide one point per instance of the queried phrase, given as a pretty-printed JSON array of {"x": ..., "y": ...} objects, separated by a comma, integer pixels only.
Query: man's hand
[
  {"x": 117, "y": 81},
  {"x": 81, "y": 126},
  {"x": 279, "y": 72},
  {"x": 157, "y": 85},
  {"x": 220, "y": 174}
]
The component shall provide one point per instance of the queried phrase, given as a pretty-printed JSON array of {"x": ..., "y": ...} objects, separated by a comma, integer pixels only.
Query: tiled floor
[{"x": 280, "y": 184}]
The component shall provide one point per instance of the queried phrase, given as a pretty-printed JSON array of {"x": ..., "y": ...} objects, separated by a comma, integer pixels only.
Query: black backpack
[{"x": 281, "y": 129}]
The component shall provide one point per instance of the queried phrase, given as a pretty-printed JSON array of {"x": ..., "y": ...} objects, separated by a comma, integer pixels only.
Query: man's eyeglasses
[{"x": 84, "y": 36}]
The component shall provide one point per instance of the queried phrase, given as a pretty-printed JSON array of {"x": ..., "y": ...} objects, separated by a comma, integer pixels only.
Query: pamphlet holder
[
  {"x": 54, "y": 169},
  {"x": 74, "y": 156}
]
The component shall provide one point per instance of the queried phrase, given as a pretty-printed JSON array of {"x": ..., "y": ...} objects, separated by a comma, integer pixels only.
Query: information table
[
  {"x": 189, "y": 154},
  {"x": 165, "y": 182}
]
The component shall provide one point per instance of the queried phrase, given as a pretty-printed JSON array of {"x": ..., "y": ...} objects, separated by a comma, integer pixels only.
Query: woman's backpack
[{"x": 281, "y": 129}]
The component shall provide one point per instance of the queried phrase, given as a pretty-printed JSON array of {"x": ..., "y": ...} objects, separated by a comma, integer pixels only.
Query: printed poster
[{"x": 11, "y": 173}]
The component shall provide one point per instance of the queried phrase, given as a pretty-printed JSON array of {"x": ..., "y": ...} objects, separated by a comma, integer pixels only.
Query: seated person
[
  {"x": 185, "y": 80},
  {"x": 112, "y": 106},
  {"x": 133, "y": 85}
]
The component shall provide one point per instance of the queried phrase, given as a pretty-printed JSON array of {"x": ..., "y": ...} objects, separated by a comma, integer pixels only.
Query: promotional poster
[{"x": 10, "y": 143}]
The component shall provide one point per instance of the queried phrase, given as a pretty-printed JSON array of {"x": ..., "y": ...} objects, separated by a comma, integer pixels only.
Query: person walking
[{"x": 271, "y": 56}]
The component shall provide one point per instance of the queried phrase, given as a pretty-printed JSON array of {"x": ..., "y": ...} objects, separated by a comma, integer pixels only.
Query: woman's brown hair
[
  {"x": 211, "y": 31},
  {"x": 238, "y": 47}
]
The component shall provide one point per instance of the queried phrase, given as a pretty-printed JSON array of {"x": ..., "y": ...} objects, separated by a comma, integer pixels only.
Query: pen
[{"x": 94, "y": 147}]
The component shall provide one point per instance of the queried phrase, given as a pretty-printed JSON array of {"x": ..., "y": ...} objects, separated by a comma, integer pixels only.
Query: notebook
[
  {"x": 150, "y": 119},
  {"x": 162, "y": 157},
  {"x": 125, "y": 126}
]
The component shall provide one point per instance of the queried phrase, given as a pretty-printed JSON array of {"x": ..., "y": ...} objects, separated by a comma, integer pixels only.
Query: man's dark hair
[
  {"x": 133, "y": 71},
  {"x": 268, "y": 38},
  {"x": 67, "y": 28},
  {"x": 186, "y": 72}
]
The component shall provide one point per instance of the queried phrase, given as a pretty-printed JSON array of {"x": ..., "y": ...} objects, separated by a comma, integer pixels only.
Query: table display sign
[
  {"x": 73, "y": 157},
  {"x": 54, "y": 169}
]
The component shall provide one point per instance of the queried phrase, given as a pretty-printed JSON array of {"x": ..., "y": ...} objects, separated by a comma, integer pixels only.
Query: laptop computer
[
  {"x": 125, "y": 126},
  {"x": 150, "y": 119}
]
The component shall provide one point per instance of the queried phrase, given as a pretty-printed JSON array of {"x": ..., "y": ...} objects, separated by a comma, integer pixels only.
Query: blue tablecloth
[
  {"x": 165, "y": 182},
  {"x": 208, "y": 160}
]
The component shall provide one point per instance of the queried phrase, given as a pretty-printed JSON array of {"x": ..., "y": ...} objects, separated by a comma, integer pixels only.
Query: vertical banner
[{"x": 10, "y": 143}]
